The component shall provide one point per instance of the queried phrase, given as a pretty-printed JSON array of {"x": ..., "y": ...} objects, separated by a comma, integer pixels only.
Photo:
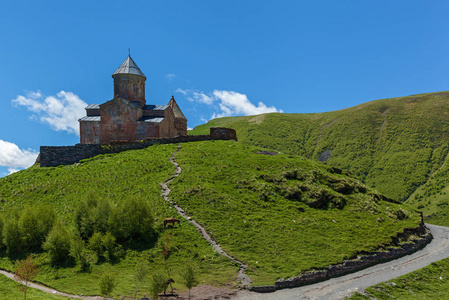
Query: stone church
[{"x": 127, "y": 117}]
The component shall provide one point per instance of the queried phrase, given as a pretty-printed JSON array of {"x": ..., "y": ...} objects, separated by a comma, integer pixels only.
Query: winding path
[
  {"x": 340, "y": 287},
  {"x": 50, "y": 290},
  {"x": 244, "y": 279}
]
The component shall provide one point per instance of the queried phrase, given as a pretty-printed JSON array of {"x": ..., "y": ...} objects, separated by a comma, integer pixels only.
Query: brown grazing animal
[{"x": 173, "y": 221}]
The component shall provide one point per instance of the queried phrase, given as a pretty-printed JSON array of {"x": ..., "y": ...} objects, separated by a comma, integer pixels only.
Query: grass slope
[
  {"x": 115, "y": 177},
  {"x": 427, "y": 283},
  {"x": 279, "y": 214},
  {"x": 282, "y": 214},
  {"x": 393, "y": 145},
  {"x": 10, "y": 290}
]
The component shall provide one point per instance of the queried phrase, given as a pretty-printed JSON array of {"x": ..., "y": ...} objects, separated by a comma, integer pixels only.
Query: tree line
[{"x": 98, "y": 225}]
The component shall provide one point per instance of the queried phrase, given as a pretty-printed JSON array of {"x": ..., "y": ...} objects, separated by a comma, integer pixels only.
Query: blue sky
[{"x": 218, "y": 58}]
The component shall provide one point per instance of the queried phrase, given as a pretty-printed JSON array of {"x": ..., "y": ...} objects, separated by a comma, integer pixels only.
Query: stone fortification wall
[
  {"x": 52, "y": 156},
  {"x": 352, "y": 265}
]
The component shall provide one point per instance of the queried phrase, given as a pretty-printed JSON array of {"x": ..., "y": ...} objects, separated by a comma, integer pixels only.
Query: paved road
[{"x": 337, "y": 288}]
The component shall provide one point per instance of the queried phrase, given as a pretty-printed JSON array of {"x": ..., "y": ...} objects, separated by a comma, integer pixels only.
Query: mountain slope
[
  {"x": 279, "y": 214},
  {"x": 393, "y": 145}
]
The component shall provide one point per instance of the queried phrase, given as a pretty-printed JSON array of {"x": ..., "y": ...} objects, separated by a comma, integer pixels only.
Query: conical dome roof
[{"x": 128, "y": 67}]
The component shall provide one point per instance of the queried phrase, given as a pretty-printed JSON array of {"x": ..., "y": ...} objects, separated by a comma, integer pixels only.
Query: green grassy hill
[
  {"x": 279, "y": 214},
  {"x": 397, "y": 146}
]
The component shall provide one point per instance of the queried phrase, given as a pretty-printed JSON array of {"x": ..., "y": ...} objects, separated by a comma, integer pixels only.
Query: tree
[
  {"x": 29, "y": 229},
  {"x": 57, "y": 243},
  {"x": 77, "y": 245},
  {"x": 46, "y": 219},
  {"x": 96, "y": 244},
  {"x": 136, "y": 220},
  {"x": 158, "y": 285},
  {"x": 26, "y": 272},
  {"x": 100, "y": 215},
  {"x": 11, "y": 236},
  {"x": 109, "y": 245},
  {"x": 107, "y": 284},
  {"x": 188, "y": 277},
  {"x": 140, "y": 273}
]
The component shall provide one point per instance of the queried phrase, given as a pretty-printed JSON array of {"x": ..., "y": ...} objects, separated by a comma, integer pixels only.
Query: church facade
[{"x": 127, "y": 117}]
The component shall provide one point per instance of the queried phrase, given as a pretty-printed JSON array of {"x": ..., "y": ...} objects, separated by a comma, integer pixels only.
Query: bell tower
[{"x": 129, "y": 82}]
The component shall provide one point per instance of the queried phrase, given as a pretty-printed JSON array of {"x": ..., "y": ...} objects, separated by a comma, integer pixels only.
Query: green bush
[
  {"x": 57, "y": 243},
  {"x": 83, "y": 222},
  {"x": 107, "y": 284},
  {"x": 12, "y": 236},
  {"x": 135, "y": 221},
  {"x": 109, "y": 245},
  {"x": 96, "y": 244},
  {"x": 34, "y": 225},
  {"x": 157, "y": 285}
]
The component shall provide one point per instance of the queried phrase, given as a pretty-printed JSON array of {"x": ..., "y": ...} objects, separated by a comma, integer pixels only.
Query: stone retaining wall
[
  {"x": 52, "y": 156},
  {"x": 353, "y": 265}
]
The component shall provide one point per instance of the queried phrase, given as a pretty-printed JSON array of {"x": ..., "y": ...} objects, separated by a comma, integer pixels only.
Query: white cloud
[
  {"x": 170, "y": 76},
  {"x": 228, "y": 103},
  {"x": 233, "y": 103},
  {"x": 61, "y": 112},
  {"x": 13, "y": 157},
  {"x": 181, "y": 91},
  {"x": 202, "y": 98},
  {"x": 195, "y": 96},
  {"x": 12, "y": 170}
]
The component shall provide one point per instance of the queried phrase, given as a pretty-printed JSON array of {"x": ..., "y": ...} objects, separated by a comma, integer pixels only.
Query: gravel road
[{"x": 340, "y": 287}]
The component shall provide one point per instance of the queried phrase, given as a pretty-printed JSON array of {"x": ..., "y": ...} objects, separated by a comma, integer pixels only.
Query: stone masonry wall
[
  {"x": 223, "y": 133},
  {"x": 52, "y": 156},
  {"x": 352, "y": 265}
]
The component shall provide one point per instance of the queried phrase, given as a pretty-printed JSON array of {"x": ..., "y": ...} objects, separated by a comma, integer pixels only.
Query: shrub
[
  {"x": 293, "y": 193},
  {"x": 57, "y": 243},
  {"x": 34, "y": 225},
  {"x": 100, "y": 215},
  {"x": 29, "y": 229},
  {"x": 107, "y": 284},
  {"x": 96, "y": 244},
  {"x": 140, "y": 274},
  {"x": 46, "y": 219},
  {"x": 157, "y": 285},
  {"x": 83, "y": 222},
  {"x": 109, "y": 245},
  {"x": 2, "y": 224},
  {"x": 135, "y": 221},
  {"x": 188, "y": 277},
  {"x": 401, "y": 214},
  {"x": 12, "y": 236}
]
